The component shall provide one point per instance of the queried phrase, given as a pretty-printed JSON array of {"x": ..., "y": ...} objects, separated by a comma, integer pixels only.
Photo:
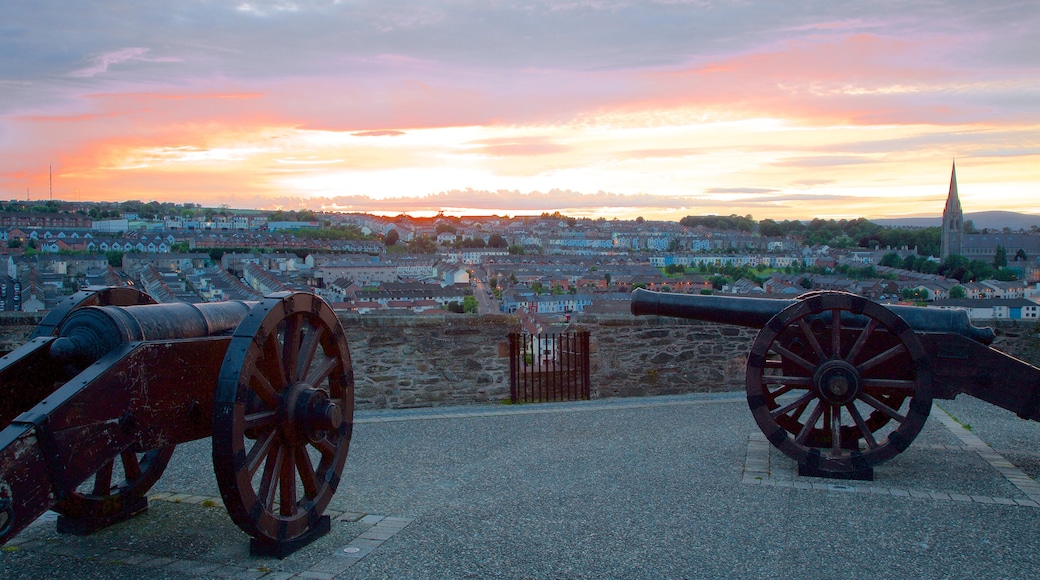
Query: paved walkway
[{"x": 670, "y": 487}]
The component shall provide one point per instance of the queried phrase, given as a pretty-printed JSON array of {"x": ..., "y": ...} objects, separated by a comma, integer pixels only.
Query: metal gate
[{"x": 549, "y": 367}]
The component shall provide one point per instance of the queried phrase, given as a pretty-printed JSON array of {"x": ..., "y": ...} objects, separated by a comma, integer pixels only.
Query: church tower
[{"x": 953, "y": 221}]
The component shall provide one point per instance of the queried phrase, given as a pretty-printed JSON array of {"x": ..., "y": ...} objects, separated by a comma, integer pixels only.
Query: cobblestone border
[
  {"x": 757, "y": 471},
  {"x": 382, "y": 529},
  {"x": 430, "y": 413}
]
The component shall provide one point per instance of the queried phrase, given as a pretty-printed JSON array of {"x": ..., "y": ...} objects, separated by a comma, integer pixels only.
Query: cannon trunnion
[
  {"x": 111, "y": 382},
  {"x": 841, "y": 384}
]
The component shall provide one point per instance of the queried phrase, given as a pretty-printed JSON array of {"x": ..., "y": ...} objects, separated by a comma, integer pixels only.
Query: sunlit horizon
[{"x": 653, "y": 110}]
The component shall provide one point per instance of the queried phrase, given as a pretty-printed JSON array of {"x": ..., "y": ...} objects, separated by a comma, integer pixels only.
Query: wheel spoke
[
  {"x": 791, "y": 356},
  {"x": 264, "y": 420},
  {"x": 889, "y": 411},
  {"x": 308, "y": 348},
  {"x": 787, "y": 380},
  {"x": 306, "y": 471},
  {"x": 861, "y": 341},
  {"x": 787, "y": 408},
  {"x": 797, "y": 415},
  {"x": 271, "y": 361},
  {"x": 810, "y": 423},
  {"x": 268, "y": 481},
  {"x": 317, "y": 375},
  {"x": 881, "y": 358},
  {"x": 868, "y": 436},
  {"x": 103, "y": 480},
  {"x": 836, "y": 333},
  {"x": 889, "y": 386},
  {"x": 131, "y": 466},
  {"x": 287, "y": 483},
  {"x": 326, "y": 448},
  {"x": 836, "y": 429},
  {"x": 783, "y": 390},
  {"x": 813, "y": 342},
  {"x": 291, "y": 346},
  {"x": 264, "y": 389},
  {"x": 261, "y": 450}
]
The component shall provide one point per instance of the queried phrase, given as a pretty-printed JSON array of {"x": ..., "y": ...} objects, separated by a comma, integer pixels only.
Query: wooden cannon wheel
[
  {"x": 838, "y": 383},
  {"x": 283, "y": 418},
  {"x": 119, "y": 487}
]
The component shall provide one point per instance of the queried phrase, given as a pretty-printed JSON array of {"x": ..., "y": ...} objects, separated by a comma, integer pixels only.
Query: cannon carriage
[
  {"x": 110, "y": 382},
  {"x": 841, "y": 384}
]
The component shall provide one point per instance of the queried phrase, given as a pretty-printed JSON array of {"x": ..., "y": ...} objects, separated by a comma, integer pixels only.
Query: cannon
[
  {"x": 110, "y": 382},
  {"x": 840, "y": 383}
]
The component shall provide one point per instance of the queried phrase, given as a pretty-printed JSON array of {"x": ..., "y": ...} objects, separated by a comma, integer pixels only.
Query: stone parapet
[{"x": 422, "y": 361}]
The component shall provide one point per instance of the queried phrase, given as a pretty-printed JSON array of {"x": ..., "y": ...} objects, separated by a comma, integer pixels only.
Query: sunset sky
[{"x": 597, "y": 108}]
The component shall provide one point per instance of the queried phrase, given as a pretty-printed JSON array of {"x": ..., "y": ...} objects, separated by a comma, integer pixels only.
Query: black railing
[{"x": 549, "y": 367}]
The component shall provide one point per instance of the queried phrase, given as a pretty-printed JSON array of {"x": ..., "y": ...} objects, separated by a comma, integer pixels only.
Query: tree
[
  {"x": 770, "y": 229},
  {"x": 1000, "y": 258},
  {"x": 891, "y": 260},
  {"x": 958, "y": 292},
  {"x": 392, "y": 237},
  {"x": 115, "y": 258},
  {"x": 980, "y": 270},
  {"x": 1020, "y": 255},
  {"x": 496, "y": 240},
  {"x": 422, "y": 245},
  {"x": 469, "y": 304},
  {"x": 1004, "y": 275},
  {"x": 806, "y": 283},
  {"x": 953, "y": 263}
]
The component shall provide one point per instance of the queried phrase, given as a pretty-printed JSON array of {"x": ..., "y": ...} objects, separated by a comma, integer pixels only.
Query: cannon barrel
[
  {"x": 756, "y": 312},
  {"x": 90, "y": 332}
]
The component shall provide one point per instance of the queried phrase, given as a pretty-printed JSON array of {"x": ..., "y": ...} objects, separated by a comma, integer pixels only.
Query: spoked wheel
[
  {"x": 117, "y": 492},
  {"x": 118, "y": 489},
  {"x": 283, "y": 418},
  {"x": 838, "y": 383}
]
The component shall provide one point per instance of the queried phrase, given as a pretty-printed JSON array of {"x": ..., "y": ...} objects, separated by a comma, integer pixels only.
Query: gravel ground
[{"x": 637, "y": 488}]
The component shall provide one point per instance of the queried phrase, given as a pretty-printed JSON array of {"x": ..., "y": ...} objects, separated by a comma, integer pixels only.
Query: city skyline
[{"x": 605, "y": 108}]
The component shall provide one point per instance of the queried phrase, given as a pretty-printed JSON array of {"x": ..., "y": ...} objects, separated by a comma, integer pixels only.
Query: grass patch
[{"x": 967, "y": 426}]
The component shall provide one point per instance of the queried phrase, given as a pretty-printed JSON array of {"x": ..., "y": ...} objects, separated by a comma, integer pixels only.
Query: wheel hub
[
  {"x": 308, "y": 414},
  {"x": 837, "y": 382}
]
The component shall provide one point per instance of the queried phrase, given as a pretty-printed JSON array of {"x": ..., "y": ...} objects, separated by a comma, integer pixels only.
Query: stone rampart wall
[{"x": 412, "y": 361}]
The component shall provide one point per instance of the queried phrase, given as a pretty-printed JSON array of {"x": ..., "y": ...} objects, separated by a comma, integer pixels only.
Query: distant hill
[{"x": 981, "y": 219}]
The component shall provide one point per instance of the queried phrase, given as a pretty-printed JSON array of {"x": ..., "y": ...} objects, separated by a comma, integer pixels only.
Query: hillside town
[{"x": 550, "y": 265}]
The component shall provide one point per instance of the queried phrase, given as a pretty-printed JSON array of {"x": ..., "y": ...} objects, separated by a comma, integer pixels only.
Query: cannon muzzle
[{"x": 756, "y": 312}]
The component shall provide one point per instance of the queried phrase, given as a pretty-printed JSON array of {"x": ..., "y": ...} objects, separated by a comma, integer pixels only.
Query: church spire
[
  {"x": 953, "y": 220},
  {"x": 953, "y": 201}
]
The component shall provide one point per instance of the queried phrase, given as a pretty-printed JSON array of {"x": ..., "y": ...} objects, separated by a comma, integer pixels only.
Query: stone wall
[
  {"x": 418, "y": 361},
  {"x": 410, "y": 361}
]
